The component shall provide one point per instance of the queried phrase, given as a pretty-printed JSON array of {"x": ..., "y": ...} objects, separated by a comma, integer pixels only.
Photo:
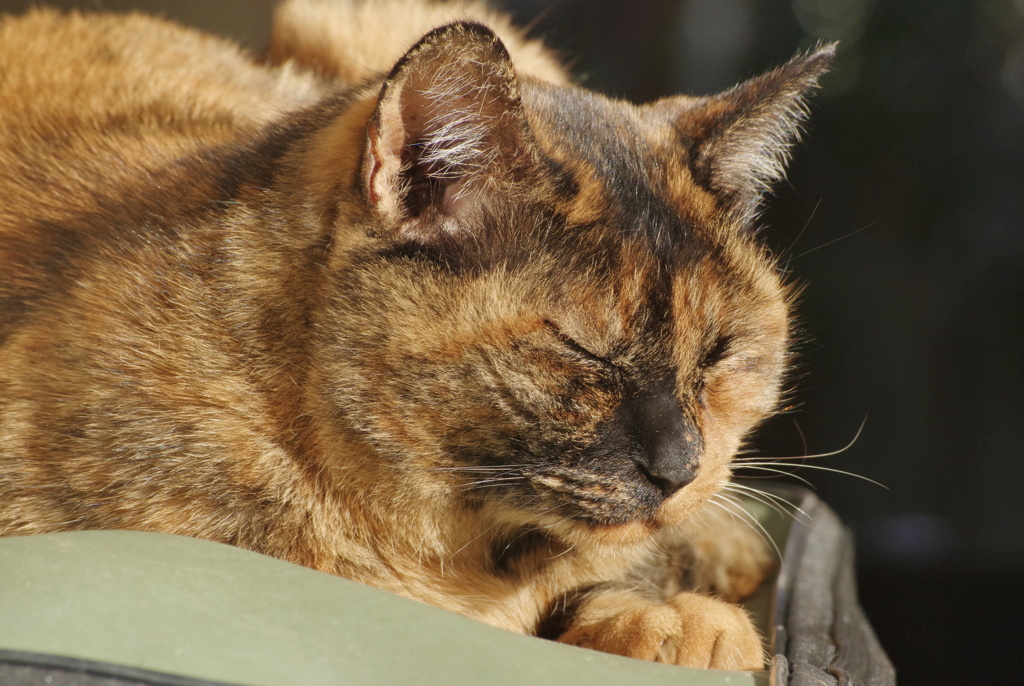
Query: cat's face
[{"x": 560, "y": 310}]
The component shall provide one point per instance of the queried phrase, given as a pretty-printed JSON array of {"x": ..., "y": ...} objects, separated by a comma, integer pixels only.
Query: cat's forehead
[{"x": 621, "y": 168}]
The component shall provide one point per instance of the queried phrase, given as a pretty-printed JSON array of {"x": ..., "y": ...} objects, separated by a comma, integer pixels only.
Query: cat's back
[
  {"x": 105, "y": 121},
  {"x": 91, "y": 103}
]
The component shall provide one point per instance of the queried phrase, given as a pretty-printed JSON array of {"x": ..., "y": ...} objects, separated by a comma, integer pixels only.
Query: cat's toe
[
  {"x": 690, "y": 630},
  {"x": 712, "y": 634}
]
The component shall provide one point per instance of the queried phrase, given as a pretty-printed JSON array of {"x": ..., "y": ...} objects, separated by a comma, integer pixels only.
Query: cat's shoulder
[{"x": 92, "y": 104}]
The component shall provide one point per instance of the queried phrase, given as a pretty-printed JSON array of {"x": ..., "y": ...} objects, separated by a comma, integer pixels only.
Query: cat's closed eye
[
  {"x": 717, "y": 352},
  {"x": 578, "y": 348}
]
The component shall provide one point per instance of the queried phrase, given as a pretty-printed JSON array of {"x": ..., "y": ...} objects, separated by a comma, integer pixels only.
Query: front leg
[
  {"x": 676, "y": 603},
  {"x": 687, "y": 629},
  {"x": 717, "y": 554}
]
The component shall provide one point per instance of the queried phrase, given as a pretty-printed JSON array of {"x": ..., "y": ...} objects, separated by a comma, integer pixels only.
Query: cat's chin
[
  {"x": 624, "y": 534},
  {"x": 673, "y": 512},
  {"x": 587, "y": 532},
  {"x": 597, "y": 536}
]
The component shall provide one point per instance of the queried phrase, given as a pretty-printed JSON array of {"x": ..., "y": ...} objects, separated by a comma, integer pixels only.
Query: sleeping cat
[{"x": 400, "y": 304}]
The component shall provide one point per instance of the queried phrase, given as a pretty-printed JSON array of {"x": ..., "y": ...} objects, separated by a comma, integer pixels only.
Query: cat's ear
[
  {"x": 447, "y": 124},
  {"x": 739, "y": 140}
]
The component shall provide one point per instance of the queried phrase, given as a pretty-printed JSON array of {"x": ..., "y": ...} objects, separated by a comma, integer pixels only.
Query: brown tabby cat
[{"x": 448, "y": 326}]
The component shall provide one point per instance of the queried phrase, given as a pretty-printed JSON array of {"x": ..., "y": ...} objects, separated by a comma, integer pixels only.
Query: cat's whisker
[
  {"x": 773, "y": 464},
  {"x": 479, "y": 485},
  {"x": 469, "y": 543},
  {"x": 803, "y": 436},
  {"x": 509, "y": 545},
  {"x": 487, "y": 482},
  {"x": 761, "y": 468},
  {"x": 833, "y": 453},
  {"x": 506, "y": 474},
  {"x": 743, "y": 515},
  {"x": 477, "y": 468},
  {"x": 767, "y": 466},
  {"x": 564, "y": 552},
  {"x": 700, "y": 518},
  {"x": 775, "y": 502},
  {"x": 787, "y": 254},
  {"x": 751, "y": 522},
  {"x": 834, "y": 241},
  {"x": 767, "y": 499}
]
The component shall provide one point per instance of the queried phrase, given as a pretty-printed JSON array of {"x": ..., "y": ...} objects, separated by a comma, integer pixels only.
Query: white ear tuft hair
[
  {"x": 455, "y": 130},
  {"x": 741, "y": 138},
  {"x": 448, "y": 115}
]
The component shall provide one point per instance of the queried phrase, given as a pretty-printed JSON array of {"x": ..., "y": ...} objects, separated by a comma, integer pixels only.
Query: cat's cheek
[{"x": 731, "y": 408}]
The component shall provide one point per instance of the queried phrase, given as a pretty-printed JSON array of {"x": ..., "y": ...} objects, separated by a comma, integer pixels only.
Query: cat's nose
[
  {"x": 671, "y": 468},
  {"x": 672, "y": 443}
]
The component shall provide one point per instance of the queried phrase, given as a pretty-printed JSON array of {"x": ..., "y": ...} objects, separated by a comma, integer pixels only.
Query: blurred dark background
[{"x": 904, "y": 216}]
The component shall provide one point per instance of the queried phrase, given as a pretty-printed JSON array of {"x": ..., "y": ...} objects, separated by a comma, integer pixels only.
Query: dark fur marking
[
  {"x": 507, "y": 552},
  {"x": 557, "y": 619},
  {"x": 564, "y": 182},
  {"x": 505, "y": 236},
  {"x": 611, "y": 146},
  {"x": 256, "y": 165}
]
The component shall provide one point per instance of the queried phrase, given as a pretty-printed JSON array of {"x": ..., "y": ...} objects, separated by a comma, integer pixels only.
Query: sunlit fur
[{"x": 425, "y": 316}]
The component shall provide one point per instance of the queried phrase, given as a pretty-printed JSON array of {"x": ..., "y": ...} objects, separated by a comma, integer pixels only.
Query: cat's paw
[
  {"x": 689, "y": 629},
  {"x": 732, "y": 574},
  {"x": 715, "y": 635},
  {"x": 727, "y": 560}
]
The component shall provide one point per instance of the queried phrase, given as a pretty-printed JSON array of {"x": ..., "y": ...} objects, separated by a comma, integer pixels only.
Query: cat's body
[{"x": 473, "y": 336}]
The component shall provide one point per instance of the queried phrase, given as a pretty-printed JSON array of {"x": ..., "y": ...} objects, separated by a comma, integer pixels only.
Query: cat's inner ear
[
  {"x": 738, "y": 141},
  {"x": 447, "y": 125}
]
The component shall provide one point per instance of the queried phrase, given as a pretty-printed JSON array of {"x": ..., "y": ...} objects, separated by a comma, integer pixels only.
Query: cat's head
[{"x": 552, "y": 304}]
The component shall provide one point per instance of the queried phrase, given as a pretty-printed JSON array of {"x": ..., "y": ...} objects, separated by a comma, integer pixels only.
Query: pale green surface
[{"x": 207, "y": 610}]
